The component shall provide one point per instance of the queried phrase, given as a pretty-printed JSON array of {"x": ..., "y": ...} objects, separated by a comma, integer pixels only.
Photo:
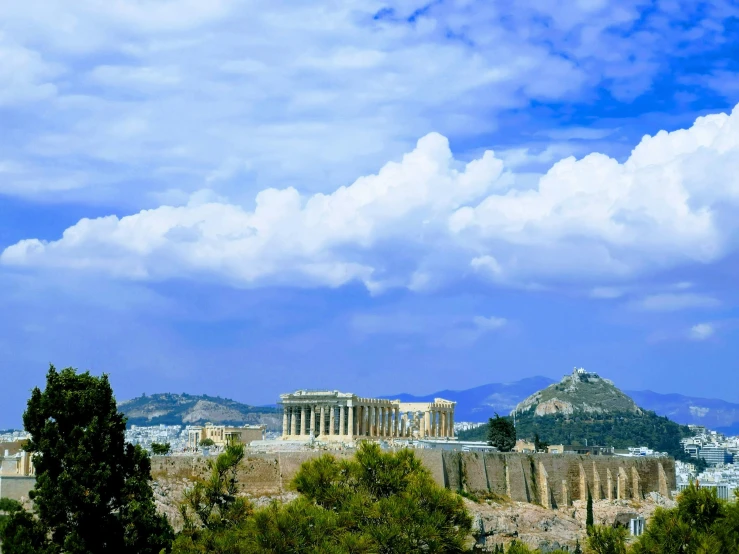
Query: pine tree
[
  {"x": 92, "y": 492},
  {"x": 501, "y": 433},
  {"x": 578, "y": 548}
]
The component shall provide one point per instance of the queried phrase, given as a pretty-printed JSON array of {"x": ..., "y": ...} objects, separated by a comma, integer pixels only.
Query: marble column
[
  {"x": 443, "y": 423},
  {"x": 350, "y": 426},
  {"x": 342, "y": 429},
  {"x": 422, "y": 426},
  {"x": 293, "y": 417},
  {"x": 451, "y": 423},
  {"x": 304, "y": 421},
  {"x": 313, "y": 421},
  {"x": 396, "y": 422},
  {"x": 359, "y": 420},
  {"x": 284, "y": 421},
  {"x": 386, "y": 421},
  {"x": 332, "y": 420},
  {"x": 322, "y": 431}
]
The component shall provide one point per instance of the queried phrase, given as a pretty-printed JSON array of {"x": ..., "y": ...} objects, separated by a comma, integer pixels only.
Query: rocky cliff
[{"x": 580, "y": 391}]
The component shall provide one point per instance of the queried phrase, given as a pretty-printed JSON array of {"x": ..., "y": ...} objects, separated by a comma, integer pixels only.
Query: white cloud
[
  {"x": 670, "y": 302},
  {"x": 701, "y": 331},
  {"x": 307, "y": 97},
  {"x": 490, "y": 323},
  {"x": 669, "y": 203},
  {"x": 607, "y": 293},
  {"x": 24, "y": 75},
  {"x": 286, "y": 237}
]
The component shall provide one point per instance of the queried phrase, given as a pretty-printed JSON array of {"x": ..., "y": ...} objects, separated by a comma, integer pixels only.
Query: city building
[
  {"x": 17, "y": 475},
  {"x": 524, "y": 446},
  {"x": 222, "y": 435},
  {"x": 715, "y": 455},
  {"x": 334, "y": 415}
]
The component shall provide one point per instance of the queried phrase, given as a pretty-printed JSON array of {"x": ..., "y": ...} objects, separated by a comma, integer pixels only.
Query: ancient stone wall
[
  {"x": 547, "y": 479},
  {"x": 16, "y": 487}
]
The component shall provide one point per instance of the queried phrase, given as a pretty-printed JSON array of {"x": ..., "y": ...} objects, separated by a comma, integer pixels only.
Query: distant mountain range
[
  {"x": 475, "y": 404},
  {"x": 480, "y": 403}
]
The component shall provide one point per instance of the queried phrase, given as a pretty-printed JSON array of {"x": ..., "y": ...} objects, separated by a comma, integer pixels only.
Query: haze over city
[{"x": 377, "y": 197}]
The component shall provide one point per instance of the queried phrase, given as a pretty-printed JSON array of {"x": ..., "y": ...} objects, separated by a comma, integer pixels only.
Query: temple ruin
[{"x": 334, "y": 415}]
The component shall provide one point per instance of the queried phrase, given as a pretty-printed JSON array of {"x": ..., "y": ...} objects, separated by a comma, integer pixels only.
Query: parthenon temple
[{"x": 334, "y": 415}]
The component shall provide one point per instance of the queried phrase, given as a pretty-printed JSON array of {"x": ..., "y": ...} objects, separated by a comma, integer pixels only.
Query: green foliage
[
  {"x": 540, "y": 445},
  {"x": 211, "y": 510},
  {"x": 378, "y": 503},
  {"x": 519, "y": 548},
  {"x": 607, "y": 540},
  {"x": 617, "y": 429},
  {"x": 92, "y": 492},
  {"x": 578, "y": 548},
  {"x": 159, "y": 449},
  {"x": 501, "y": 433},
  {"x": 589, "y": 518},
  {"x": 207, "y": 443},
  {"x": 700, "y": 524}
]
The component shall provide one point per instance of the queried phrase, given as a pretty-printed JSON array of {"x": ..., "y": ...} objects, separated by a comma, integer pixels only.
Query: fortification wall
[
  {"x": 16, "y": 487},
  {"x": 547, "y": 479}
]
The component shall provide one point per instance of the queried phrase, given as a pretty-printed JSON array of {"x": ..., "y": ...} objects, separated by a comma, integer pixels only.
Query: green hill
[
  {"x": 583, "y": 408},
  {"x": 186, "y": 409}
]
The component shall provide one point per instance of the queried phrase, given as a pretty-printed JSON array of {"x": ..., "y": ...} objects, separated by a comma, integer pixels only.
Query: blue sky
[{"x": 243, "y": 198}]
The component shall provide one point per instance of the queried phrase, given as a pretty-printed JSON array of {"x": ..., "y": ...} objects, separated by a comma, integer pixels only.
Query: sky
[{"x": 244, "y": 198}]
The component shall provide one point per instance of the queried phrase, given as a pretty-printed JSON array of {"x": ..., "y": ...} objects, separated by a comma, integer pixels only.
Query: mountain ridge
[
  {"x": 473, "y": 406},
  {"x": 187, "y": 409}
]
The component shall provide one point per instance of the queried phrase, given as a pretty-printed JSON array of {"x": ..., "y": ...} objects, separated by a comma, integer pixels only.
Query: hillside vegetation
[
  {"x": 586, "y": 409},
  {"x": 186, "y": 409}
]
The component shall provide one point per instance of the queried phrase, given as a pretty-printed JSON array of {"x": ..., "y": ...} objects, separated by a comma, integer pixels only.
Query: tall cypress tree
[
  {"x": 589, "y": 519},
  {"x": 92, "y": 493}
]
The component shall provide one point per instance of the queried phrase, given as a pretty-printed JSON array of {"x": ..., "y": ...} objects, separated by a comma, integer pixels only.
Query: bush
[
  {"x": 377, "y": 502},
  {"x": 160, "y": 449},
  {"x": 607, "y": 540}
]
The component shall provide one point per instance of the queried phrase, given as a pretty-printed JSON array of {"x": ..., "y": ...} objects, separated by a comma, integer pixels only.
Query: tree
[
  {"x": 540, "y": 445},
  {"x": 159, "y": 449},
  {"x": 92, "y": 492},
  {"x": 212, "y": 509},
  {"x": 378, "y": 502},
  {"x": 701, "y": 523},
  {"x": 589, "y": 518},
  {"x": 207, "y": 443},
  {"x": 502, "y": 433},
  {"x": 578, "y": 548},
  {"x": 607, "y": 540},
  {"x": 19, "y": 531}
]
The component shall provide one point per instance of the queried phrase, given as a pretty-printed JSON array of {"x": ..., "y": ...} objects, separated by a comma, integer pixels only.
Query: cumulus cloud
[
  {"x": 701, "y": 331},
  {"x": 160, "y": 94},
  {"x": 671, "y": 202}
]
